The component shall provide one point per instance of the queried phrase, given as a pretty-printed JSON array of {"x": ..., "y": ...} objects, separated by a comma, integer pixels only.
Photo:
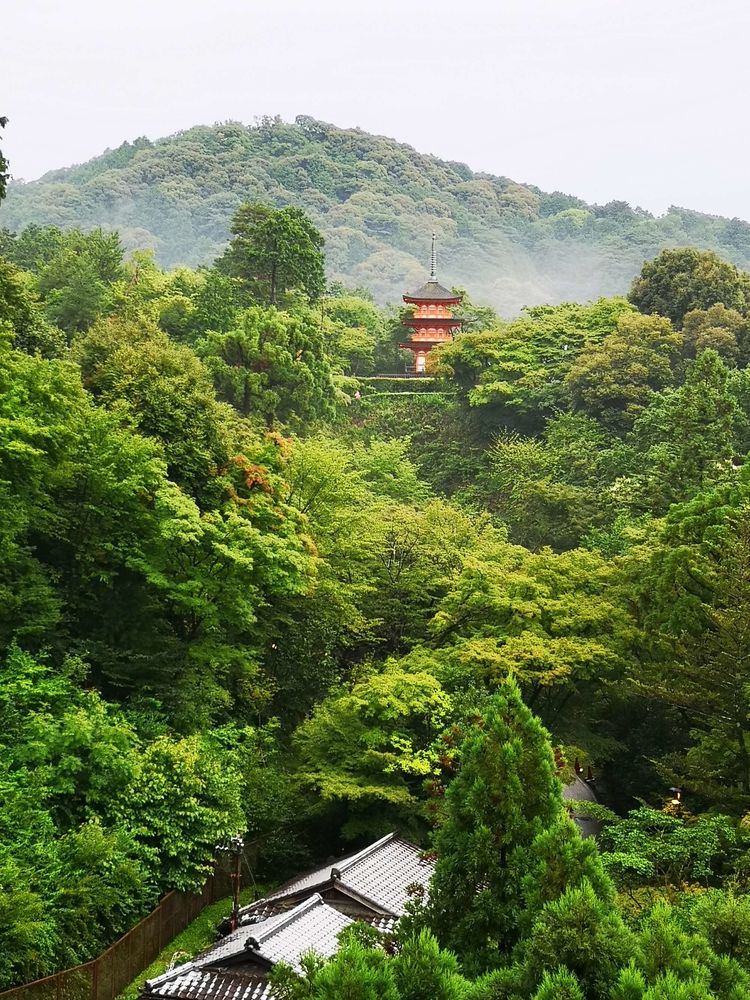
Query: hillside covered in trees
[
  {"x": 376, "y": 202},
  {"x": 248, "y": 588}
]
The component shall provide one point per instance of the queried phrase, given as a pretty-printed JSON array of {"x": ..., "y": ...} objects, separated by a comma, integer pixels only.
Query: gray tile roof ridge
[
  {"x": 338, "y": 870},
  {"x": 255, "y": 941},
  {"x": 220, "y": 950},
  {"x": 322, "y": 874}
]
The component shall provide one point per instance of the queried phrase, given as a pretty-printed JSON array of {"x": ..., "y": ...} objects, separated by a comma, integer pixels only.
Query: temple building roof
[
  {"x": 432, "y": 291},
  {"x": 582, "y": 791},
  {"x": 306, "y": 914},
  {"x": 380, "y": 875}
]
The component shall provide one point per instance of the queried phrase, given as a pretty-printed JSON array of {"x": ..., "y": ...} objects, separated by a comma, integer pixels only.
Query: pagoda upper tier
[
  {"x": 432, "y": 321},
  {"x": 432, "y": 291}
]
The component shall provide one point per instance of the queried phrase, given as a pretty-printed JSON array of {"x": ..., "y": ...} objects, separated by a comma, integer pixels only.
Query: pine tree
[
  {"x": 559, "y": 859},
  {"x": 583, "y": 933},
  {"x": 559, "y": 985},
  {"x": 423, "y": 971},
  {"x": 505, "y": 793}
]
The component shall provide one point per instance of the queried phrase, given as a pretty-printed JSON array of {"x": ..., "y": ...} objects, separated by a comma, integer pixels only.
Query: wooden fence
[{"x": 105, "y": 977}]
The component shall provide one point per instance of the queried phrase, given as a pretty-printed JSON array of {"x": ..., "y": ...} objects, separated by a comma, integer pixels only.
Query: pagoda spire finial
[{"x": 433, "y": 260}]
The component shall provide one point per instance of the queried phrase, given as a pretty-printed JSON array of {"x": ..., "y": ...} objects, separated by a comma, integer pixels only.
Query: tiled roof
[
  {"x": 433, "y": 290},
  {"x": 581, "y": 791},
  {"x": 235, "y": 943},
  {"x": 311, "y": 926},
  {"x": 194, "y": 983},
  {"x": 380, "y": 874},
  {"x": 385, "y": 874},
  {"x": 296, "y": 919}
]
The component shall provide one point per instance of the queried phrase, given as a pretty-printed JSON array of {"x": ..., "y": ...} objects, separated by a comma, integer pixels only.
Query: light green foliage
[
  {"x": 424, "y": 971},
  {"x": 615, "y": 380},
  {"x": 653, "y": 847},
  {"x": 63, "y": 750},
  {"x": 37, "y": 403},
  {"x": 33, "y": 247},
  {"x": 549, "y": 491},
  {"x": 372, "y": 747},
  {"x": 688, "y": 435},
  {"x": 358, "y": 329},
  {"x": 274, "y": 251},
  {"x": 182, "y": 800},
  {"x": 558, "y": 859},
  {"x": 167, "y": 391},
  {"x": 696, "y": 612},
  {"x": 22, "y": 312},
  {"x": 559, "y": 985},
  {"x": 718, "y": 328},
  {"x": 555, "y": 622},
  {"x": 358, "y": 972},
  {"x": 629, "y": 985},
  {"x": 420, "y": 970},
  {"x": 215, "y": 571},
  {"x": 671, "y": 987},
  {"x": 723, "y": 918},
  {"x": 517, "y": 374},
  {"x": 671, "y": 957},
  {"x": 586, "y": 936},
  {"x": 76, "y": 282},
  {"x": 390, "y": 551},
  {"x": 97, "y": 820},
  {"x": 683, "y": 279}
]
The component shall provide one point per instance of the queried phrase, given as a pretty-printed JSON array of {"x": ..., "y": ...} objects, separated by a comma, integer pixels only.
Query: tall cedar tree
[
  {"x": 275, "y": 250},
  {"x": 505, "y": 793}
]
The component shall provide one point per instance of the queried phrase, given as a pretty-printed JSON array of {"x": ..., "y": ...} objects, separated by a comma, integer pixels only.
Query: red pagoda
[{"x": 432, "y": 322}]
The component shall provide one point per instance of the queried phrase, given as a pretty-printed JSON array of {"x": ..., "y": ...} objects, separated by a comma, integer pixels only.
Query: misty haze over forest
[{"x": 376, "y": 201}]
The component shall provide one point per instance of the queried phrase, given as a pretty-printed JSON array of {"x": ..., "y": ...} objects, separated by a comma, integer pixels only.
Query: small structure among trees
[
  {"x": 432, "y": 322},
  {"x": 308, "y": 914}
]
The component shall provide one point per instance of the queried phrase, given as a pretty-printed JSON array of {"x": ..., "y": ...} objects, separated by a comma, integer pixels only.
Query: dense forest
[
  {"x": 374, "y": 200},
  {"x": 248, "y": 587}
]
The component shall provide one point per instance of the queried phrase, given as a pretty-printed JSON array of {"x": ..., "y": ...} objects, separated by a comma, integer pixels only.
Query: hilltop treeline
[
  {"x": 247, "y": 588},
  {"x": 376, "y": 201}
]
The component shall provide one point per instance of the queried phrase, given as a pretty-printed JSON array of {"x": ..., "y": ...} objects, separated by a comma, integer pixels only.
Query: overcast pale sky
[{"x": 644, "y": 100}]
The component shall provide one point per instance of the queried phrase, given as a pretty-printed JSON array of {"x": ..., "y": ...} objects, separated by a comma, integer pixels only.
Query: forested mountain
[
  {"x": 247, "y": 587},
  {"x": 375, "y": 201}
]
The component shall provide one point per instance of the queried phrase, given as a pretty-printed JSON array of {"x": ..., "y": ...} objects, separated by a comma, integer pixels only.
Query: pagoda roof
[{"x": 432, "y": 291}]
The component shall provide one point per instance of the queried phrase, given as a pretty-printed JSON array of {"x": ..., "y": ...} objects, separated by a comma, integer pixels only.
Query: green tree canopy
[
  {"x": 274, "y": 251},
  {"x": 680, "y": 280},
  {"x": 273, "y": 365}
]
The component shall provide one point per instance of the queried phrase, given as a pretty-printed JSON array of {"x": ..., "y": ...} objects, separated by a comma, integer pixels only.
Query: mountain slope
[{"x": 376, "y": 201}]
